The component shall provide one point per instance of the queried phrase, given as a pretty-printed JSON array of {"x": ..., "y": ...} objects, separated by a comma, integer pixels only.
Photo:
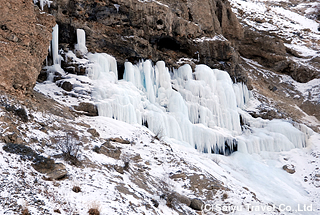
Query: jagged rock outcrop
[
  {"x": 165, "y": 30},
  {"x": 25, "y": 34},
  {"x": 269, "y": 50}
]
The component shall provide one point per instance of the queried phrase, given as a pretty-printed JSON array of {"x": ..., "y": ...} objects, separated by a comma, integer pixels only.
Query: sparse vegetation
[
  {"x": 158, "y": 135},
  {"x": 69, "y": 147},
  {"x": 216, "y": 159},
  {"x": 93, "y": 211},
  {"x": 76, "y": 189},
  {"x": 57, "y": 211},
  {"x": 94, "y": 208},
  {"x": 25, "y": 212}
]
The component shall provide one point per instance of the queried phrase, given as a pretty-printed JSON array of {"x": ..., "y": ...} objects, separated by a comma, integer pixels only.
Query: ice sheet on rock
[
  {"x": 201, "y": 108},
  {"x": 270, "y": 135},
  {"x": 56, "y": 58},
  {"x": 242, "y": 93},
  {"x": 209, "y": 96},
  {"x": 54, "y": 70}
]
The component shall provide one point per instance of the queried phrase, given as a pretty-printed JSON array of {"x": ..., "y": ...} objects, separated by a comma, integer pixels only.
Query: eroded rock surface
[
  {"x": 25, "y": 34},
  {"x": 166, "y": 30}
]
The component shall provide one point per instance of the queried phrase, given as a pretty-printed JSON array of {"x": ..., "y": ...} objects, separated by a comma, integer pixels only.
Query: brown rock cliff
[
  {"x": 157, "y": 30},
  {"x": 25, "y": 34}
]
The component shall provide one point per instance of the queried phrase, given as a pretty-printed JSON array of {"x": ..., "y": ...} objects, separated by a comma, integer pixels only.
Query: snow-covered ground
[
  {"x": 253, "y": 181},
  {"x": 294, "y": 22},
  {"x": 249, "y": 181}
]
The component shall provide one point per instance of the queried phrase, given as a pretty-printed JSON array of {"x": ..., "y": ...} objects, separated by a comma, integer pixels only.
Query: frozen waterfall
[{"x": 200, "y": 108}]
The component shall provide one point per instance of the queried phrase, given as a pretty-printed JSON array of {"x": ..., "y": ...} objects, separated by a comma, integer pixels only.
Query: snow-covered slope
[
  {"x": 296, "y": 24},
  {"x": 155, "y": 169},
  {"x": 157, "y": 144}
]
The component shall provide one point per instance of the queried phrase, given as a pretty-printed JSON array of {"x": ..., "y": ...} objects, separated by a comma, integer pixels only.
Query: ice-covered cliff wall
[{"x": 200, "y": 108}]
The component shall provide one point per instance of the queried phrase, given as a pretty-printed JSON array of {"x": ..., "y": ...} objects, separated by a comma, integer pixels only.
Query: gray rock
[
  {"x": 59, "y": 171},
  {"x": 88, "y": 109},
  {"x": 166, "y": 33},
  {"x": 289, "y": 168},
  {"x": 67, "y": 86},
  {"x": 110, "y": 151},
  {"x": 119, "y": 140},
  {"x": 53, "y": 171},
  {"x": 196, "y": 204},
  {"x": 178, "y": 198},
  {"x": 93, "y": 132}
]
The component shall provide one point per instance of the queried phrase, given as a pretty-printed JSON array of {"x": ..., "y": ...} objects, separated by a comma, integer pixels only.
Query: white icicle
[
  {"x": 81, "y": 41},
  {"x": 55, "y": 45}
]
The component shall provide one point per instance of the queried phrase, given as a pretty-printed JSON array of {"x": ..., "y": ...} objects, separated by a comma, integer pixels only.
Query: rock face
[
  {"x": 265, "y": 49},
  {"x": 270, "y": 51},
  {"x": 25, "y": 34},
  {"x": 166, "y": 30}
]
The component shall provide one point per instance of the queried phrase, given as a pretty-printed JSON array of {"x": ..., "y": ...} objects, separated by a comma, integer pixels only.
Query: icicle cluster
[{"x": 201, "y": 108}]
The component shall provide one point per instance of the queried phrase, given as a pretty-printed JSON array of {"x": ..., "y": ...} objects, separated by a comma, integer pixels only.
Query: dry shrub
[
  {"x": 69, "y": 147},
  {"x": 76, "y": 189},
  {"x": 57, "y": 211},
  {"x": 159, "y": 135},
  {"x": 224, "y": 196},
  {"x": 94, "y": 208},
  {"x": 25, "y": 212},
  {"x": 94, "y": 211}
]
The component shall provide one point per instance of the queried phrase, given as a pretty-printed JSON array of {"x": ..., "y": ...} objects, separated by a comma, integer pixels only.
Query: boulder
[
  {"x": 119, "y": 140},
  {"x": 196, "y": 204},
  {"x": 58, "y": 172},
  {"x": 93, "y": 132},
  {"x": 24, "y": 151},
  {"x": 67, "y": 86},
  {"x": 109, "y": 150},
  {"x": 289, "y": 168},
  {"x": 175, "y": 198},
  {"x": 53, "y": 171},
  {"x": 88, "y": 109}
]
